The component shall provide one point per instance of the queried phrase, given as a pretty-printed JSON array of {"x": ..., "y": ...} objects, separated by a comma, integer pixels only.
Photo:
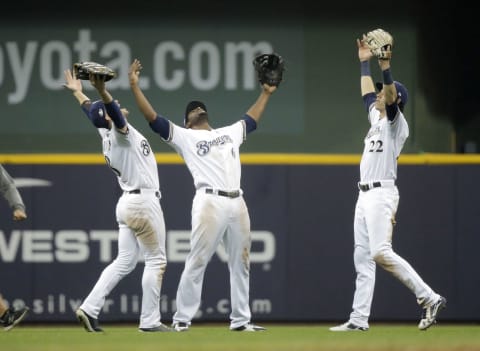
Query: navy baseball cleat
[
  {"x": 249, "y": 328},
  {"x": 89, "y": 323},
  {"x": 430, "y": 313},
  {"x": 348, "y": 326},
  {"x": 12, "y": 317}
]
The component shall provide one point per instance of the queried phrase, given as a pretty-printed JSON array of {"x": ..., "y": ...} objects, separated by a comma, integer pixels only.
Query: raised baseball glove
[
  {"x": 269, "y": 68},
  {"x": 380, "y": 43},
  {"x": 82, "y": 70}
]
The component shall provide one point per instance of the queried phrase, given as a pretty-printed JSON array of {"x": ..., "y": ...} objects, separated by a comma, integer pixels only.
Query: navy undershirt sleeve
[
  {"x": 116, "y": 115},
  {"x": 391, "y": 111},
  {"x": 250, "y": 123},
  {"x": 368, "y": 100},
  {"x": 97, "y": 121},
  {"x": 161, "y": 125}
]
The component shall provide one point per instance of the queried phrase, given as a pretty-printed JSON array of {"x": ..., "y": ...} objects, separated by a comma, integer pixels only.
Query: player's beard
[{"x": 202, "y": 118}]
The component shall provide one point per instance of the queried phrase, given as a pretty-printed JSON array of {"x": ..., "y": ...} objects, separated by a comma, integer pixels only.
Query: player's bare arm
[
  {"x": 389, "y": 89},
  {"x": 364, "y": 55},
  {"x": 75, "y": 86},
  {"x": 256, "y": 110},
  {"x": 98, "y": 82},
  {"x": 143, "y": 104}
]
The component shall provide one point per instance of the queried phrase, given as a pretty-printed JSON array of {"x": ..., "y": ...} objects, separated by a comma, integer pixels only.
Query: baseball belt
[
  {"x": 230, "y": 194},
  {"x": 144, "y": 191},
  {"x": 377, "y": 184},
  {"x": 367, "y": 187}
]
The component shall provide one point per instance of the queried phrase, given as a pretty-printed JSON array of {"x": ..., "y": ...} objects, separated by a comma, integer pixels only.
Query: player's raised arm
[
  {"x": 98, "y": 82},
  {"x": 158, "y": 123},
  {"x": 75, "y": 86},
  {"x": 143, "y": 104},
  {"x": 364, "y": 55},
  {"x": 257, "y": 109},
  {"x": 112, "y": 108},
  {"x": 388, "y": 87}
]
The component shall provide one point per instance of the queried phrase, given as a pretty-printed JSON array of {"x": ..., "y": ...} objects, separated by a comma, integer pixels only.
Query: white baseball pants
[
  {"x": 216, "y": 218},
  {"x": 141, "y": 230},
  {"x": 373, "y": 226}
]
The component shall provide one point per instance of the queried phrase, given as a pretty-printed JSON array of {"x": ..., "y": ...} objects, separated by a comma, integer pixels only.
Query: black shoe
[
  {"x": 249, "y": 328},
  {"x": 89, "y": 323},
  {"x": 430, "y": 313},
  {"x": 12, "y": 317},
  {"x": 160, "y": 328}
]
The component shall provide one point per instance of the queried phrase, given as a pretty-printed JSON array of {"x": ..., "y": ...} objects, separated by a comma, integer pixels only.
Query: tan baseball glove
[{"x": 380, "y": 43}]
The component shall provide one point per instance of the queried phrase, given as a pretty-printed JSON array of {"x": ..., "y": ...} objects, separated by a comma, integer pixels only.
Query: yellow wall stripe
[{"x": 260, "y": 159}]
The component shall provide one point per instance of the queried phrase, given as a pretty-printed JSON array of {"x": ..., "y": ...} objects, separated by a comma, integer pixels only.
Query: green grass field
[{"x": 217, "y": 337}]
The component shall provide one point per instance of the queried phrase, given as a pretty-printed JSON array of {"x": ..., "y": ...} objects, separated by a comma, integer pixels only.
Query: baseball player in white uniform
[
  {"x": 139, "y": 214},
  {"x": 378, "y": 199},
  {"x": 219, "y": 212}
]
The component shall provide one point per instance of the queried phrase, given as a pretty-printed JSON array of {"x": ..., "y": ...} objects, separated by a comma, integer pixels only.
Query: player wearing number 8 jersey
[
  {"x": 378, "y": 199},
  {"x": 139, "y": 214}
]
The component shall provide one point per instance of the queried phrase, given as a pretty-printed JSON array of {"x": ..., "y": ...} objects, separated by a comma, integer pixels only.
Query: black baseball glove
[
  {"x": 269, "y": 68},
  {"x": 83, "y": 70}
]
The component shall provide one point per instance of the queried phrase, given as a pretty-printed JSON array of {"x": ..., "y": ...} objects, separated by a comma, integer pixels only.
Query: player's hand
[
  {"x": 19, "y": 215},
  {"x": 364, "y": 53},
  {"x": 269, "y": 89},
  {"x": 384, "y": 64},
  {"x": 98, "y": 81},
  {"x": 71, "y": 83},
  {"x": 134, "y": 72}
]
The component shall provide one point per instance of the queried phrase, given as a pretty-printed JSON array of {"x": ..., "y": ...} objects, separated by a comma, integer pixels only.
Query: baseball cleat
[
  {"x": 89, "y": 323},
  {"x": 249, "y": 328},
  {"x": 180, "y": 326},
  {"x": 160, "y": 328},
  {"x": 348, "y": 326},
  {"x": 430, "y": 313},
  {"x": 12, "y": 317}
]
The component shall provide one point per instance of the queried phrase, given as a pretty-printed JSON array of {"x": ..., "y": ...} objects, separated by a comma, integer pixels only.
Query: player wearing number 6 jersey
[
  {"x": 219, "y": 212},
  {"x": 378, "y": 199},
  {"x": 139, "y": 214}
]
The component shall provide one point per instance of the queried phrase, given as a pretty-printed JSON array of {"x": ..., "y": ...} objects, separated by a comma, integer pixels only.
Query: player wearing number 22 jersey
[{"x": 378, "y": 199}]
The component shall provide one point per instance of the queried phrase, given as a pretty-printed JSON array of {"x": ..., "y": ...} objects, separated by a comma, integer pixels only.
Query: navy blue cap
[
  {"x": 97, "y": 109},
  {"x": 192, "y": 105}
]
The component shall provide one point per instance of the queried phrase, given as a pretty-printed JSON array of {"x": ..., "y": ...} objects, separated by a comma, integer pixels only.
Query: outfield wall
[{"x": 301, "y": 211}]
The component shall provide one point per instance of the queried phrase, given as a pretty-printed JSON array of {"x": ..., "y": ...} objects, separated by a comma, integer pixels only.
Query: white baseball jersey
[
  {"x": 383, "y": 145},
  {"x": 212, "y": 156},
  {"x": 131, "y": 158}
]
